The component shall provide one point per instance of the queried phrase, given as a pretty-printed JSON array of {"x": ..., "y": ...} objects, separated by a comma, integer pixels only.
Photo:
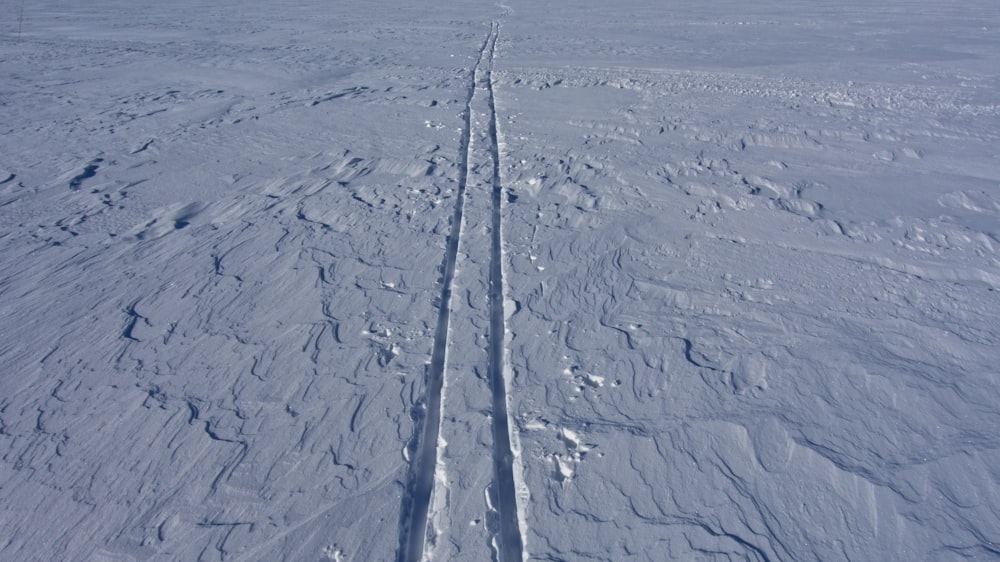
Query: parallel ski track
[
  {"x": 417, "y": 500},
  {"x": 510, "y": 543},
  {"x": 416, "y": 503}
]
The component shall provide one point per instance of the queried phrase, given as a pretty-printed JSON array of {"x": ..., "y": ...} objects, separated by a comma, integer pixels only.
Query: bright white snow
[{"x": 750, "y": 259}]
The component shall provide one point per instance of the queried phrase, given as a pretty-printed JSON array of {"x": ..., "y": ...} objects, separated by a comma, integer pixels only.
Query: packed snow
[{"x": 570, "y": 280}]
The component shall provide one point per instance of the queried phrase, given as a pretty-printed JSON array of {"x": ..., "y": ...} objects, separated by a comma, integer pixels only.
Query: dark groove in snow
[
  {"x": 423, "y": 461},
  {"x": 88, "y": 172},
  {"x": 509, "y": 540}
]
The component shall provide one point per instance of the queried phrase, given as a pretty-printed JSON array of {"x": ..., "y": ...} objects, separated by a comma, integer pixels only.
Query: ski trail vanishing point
[{"x": 424, "y": 459}]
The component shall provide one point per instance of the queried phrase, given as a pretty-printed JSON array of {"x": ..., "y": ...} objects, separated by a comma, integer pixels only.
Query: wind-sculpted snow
[
  {"x": 767, "y": 305},
  {"x": 736, "y": 265},
  {"x": 220, "y": 262}
]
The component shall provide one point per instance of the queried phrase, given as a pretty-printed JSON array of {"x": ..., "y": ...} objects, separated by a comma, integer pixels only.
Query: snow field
[
  {"x": 744, "y": 260},
  {"x": 765, "y": 370}
]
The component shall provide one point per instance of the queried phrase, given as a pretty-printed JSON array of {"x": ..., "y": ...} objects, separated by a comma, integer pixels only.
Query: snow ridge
[
  {"x": 510, "y": 544},
  {"x": 424, "y": 447}
]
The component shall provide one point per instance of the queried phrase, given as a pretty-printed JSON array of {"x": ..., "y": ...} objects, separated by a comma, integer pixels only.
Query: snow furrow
[
  {"x": 510, "y": 543},
  {"x": 419, "y": 496}
]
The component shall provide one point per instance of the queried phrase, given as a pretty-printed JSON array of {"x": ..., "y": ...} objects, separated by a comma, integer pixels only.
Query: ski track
[
  {"x": 510, "y": 543},
  {"x": 417, "y": 504}
]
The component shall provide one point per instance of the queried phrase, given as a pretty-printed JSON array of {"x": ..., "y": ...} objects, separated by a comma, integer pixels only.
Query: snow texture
[{"x": 570, "y": 280}]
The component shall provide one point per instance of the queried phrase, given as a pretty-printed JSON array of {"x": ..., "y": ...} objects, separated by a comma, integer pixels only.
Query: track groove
[
  {"x": 417, "y": 500},
  {"x": 509, "y": 541},
  {"x": 417, "y": 504}
]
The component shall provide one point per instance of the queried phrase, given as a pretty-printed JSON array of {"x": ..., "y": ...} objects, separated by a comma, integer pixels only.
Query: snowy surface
[{"x": 750, "y": 259}]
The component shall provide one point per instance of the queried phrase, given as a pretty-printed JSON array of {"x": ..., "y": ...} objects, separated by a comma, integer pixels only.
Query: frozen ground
[{"x": 271, "y": 271}]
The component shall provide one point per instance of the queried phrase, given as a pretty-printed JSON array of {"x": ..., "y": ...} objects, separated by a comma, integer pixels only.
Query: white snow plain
[{"x": 733, "y": 268}]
